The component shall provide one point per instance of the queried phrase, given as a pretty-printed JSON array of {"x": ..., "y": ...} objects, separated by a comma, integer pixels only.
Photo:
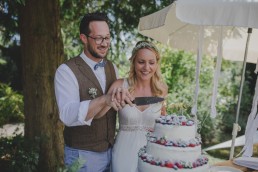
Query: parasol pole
[{"x": 236, "y": 127}]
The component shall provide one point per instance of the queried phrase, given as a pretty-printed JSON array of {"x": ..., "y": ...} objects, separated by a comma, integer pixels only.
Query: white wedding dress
[{"x": 133, "y": 127}]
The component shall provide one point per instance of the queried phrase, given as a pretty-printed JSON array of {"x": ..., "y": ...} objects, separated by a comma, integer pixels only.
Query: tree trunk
[{"x": 42, "y": 53}]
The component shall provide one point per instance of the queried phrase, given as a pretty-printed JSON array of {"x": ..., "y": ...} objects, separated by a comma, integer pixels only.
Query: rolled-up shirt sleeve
[{"x": 72, "y": 112}]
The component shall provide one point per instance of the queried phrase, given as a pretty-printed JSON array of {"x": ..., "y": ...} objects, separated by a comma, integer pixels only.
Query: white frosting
[
  {"x": 146, "y": 167},
  {"x": 173, "y": 141},
  {"x": 173, "y": 153},
  {"x": 174, "y": 131}
]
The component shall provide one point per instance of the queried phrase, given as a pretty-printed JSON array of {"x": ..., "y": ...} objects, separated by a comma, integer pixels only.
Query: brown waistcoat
[{"x": 100, "y": 135}]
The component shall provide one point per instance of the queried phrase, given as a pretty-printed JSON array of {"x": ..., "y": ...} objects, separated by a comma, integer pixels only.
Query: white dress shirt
[{"x": 72, "y": 112}]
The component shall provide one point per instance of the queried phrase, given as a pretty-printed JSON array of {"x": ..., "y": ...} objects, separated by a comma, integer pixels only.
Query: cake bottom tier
[{"x": 147, "y": 167}]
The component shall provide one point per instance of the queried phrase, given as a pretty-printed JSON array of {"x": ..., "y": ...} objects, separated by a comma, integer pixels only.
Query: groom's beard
[{"x": 94, "y": 53}]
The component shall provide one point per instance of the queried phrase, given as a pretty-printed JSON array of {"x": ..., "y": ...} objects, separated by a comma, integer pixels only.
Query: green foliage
[
  {"x": 177, "y": 108},
  {"x": 10, "y": 56},
  {"x": 178, "y": 68},
  {"x": 18, "y": 155},
  {"x": 11, "y": 105},
  {"x": 228, "y": 97},
  {"x": 8, "y": 22},
  {"x": 10, "y": 66},
  {"x": 2, "y": 62},
  {"x": 76, "y": 165},
  {"x": 22, "y": 2},
  {"x": 124, "y": 17}
]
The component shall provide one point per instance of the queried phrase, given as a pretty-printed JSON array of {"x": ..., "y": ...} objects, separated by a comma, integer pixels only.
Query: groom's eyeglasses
[{"x": 99, "y": 40}]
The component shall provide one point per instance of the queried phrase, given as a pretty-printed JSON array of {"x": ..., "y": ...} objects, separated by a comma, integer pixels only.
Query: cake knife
[{"x": 139, "y": 101}]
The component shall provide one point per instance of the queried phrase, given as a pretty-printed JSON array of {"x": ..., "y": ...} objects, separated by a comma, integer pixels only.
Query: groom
[{"x": 81, "y": 86}]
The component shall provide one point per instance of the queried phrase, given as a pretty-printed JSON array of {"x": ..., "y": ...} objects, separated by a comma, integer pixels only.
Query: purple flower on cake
[
  {"x": 174, "y": 120},
  {"x": 169, "y": 143},
  {"x": 153, "y": 139},
  {"x": 149, "y": 158},
  {"x": 189, "y": 165},
  {"x": 162, "y": 141},
  {"x": 183, "y": 143},
  {"x": 182, "y": 118},
  {"x": 168, "y": 118},
  {"x": 190, "y": 123},
  {"x": 162, "y": 163},
  {"x": 173, "y": 116}
]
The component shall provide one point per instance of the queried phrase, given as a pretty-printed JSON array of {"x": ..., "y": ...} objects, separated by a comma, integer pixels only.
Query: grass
[
  {"x": 220, "y": 155},
  {"x": 214, "y": 160}
]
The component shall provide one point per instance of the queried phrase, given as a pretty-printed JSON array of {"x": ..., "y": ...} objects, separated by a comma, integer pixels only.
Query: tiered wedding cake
[{"x": 173, "y": 146}]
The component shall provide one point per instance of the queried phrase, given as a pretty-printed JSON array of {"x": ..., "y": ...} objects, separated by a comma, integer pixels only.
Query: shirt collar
[{"x": 90, "y": 62}]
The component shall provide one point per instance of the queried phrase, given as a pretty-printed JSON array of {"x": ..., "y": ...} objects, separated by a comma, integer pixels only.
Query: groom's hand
[{"x": 122, "y": 96}]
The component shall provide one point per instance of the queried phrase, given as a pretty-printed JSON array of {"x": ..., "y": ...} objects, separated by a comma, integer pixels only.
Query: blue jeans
[{"x": 90, "y": 161}]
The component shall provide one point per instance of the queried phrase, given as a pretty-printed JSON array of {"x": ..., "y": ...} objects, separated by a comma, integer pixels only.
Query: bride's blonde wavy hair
[{"x": 156, "y": 79}]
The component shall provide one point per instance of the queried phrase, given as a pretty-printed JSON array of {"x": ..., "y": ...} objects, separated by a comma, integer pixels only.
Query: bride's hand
[
  {"x": 122, "y": 96},
  {"x": 112, "y": 102}
]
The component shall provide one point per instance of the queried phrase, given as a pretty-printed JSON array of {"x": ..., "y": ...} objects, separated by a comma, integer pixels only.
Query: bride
[{"x": 144, "y": 80}]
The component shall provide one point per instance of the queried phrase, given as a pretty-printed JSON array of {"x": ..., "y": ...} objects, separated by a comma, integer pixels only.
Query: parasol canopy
[
  {"x": 222, "y": 28},
  {"x": 171, "y": 26}
]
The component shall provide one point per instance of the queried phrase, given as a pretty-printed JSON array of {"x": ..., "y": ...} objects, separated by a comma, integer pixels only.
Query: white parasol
[
  {"x": 165, "y": 27},
  {"x": 186, "y": 22}
]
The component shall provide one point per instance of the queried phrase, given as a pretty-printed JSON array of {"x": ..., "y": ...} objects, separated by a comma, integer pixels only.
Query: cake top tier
[{"x": 174, "y": 119}]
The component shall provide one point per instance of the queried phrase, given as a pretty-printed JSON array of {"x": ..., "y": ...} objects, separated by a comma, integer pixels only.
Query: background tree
[{"x": 42, "y": 53}]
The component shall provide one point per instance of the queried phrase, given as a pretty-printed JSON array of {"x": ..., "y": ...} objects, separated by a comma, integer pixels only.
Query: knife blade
[{"x": 139, "y": 101}]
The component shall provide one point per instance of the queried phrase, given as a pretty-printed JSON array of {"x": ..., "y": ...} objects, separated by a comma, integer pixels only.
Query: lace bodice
[{"x": 131, "y": 118}]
